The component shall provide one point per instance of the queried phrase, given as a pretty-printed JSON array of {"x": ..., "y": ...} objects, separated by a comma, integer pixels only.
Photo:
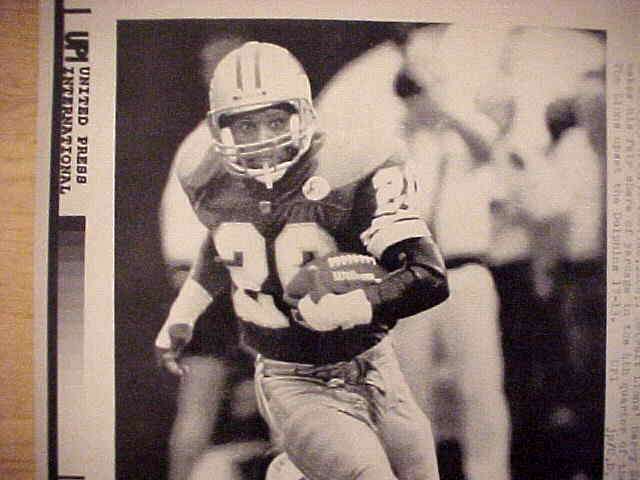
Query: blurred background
[{"x": 511, "y": 129}]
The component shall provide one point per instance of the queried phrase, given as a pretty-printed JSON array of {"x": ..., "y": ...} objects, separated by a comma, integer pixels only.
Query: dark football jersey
[{"x": 263, "y": 236}]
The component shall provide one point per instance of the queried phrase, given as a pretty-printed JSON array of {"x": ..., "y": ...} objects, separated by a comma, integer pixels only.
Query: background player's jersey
[{"x": 264, "y": 236}]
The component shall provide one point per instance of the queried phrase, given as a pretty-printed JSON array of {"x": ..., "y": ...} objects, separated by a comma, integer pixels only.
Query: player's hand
[
  {"x": 169, "y": 346},
  {"x": 334, "y": 311}
]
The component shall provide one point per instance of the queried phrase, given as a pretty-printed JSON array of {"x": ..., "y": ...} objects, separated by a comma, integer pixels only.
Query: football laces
[{"x": 350, "y": 259}]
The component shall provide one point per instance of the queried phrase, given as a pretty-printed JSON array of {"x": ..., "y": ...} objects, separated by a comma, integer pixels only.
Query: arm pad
[{"x": 418, "y": 281}]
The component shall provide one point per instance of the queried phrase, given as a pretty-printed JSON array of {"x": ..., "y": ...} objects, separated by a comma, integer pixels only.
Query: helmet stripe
[
  {"x": 239, "y": 72},
  {"x": 257, "y": 78},
  {"x": 247, "y": 67}
]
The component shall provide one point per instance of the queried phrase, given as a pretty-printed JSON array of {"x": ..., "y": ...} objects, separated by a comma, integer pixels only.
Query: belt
[{"x": 352, "y": 372}]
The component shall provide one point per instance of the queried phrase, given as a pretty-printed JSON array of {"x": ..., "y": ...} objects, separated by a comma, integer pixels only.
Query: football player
[{"x": 327, "y": 379}]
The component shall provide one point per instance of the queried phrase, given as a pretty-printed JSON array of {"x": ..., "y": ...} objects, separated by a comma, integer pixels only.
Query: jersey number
[{"x": 244, "y": 251}]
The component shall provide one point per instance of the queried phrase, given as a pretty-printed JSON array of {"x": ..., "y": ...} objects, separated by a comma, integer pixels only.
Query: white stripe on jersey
[{"x": 387, "y": 230}]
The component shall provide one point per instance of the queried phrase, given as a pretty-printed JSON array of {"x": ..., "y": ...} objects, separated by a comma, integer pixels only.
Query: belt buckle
[
  {"x": 355, "y": 372},
  {"x": 302, "y": 371}
]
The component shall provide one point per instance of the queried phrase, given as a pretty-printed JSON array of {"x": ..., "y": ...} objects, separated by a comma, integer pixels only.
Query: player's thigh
[
  {"x": 325, "y": 431},
  {"x": 403, "y": 427},
  {"x": 408, "y": 440},
  {"x": 328, "y": 444}
]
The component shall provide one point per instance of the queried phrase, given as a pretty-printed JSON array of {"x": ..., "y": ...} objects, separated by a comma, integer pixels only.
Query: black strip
[
  {"x": 77, "y": 11},
  {"x": 70, "y": 477},
  {"x": 52, "y": 290},
  {"x": 72, "y": 223}
]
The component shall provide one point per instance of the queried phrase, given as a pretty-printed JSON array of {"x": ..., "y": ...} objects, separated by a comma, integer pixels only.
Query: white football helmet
[{"x": 255, "y": 76}]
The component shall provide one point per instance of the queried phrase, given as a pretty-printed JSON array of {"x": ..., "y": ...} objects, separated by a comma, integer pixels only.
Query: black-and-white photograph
[{"x": 359, "y": 250}]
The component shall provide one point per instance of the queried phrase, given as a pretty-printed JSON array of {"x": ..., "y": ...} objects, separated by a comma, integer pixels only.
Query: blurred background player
[
  {"x": 441, "y": 82},
  {"x": 451, "y": 354},
  {"x": 551, "y": 162},
  {"x": 262, "y": 125},
  {"x": 216, "y": 419},
  {"x": 531, "y": 102}
]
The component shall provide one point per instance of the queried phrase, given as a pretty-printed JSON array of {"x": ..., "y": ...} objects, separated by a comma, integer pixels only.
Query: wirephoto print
[
  {"x": 314, "y": 247},
  {"x": 512, "y": 365}
]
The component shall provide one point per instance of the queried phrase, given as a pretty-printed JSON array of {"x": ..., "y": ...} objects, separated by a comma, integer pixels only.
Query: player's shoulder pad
[{"x": 196, "y": 160}]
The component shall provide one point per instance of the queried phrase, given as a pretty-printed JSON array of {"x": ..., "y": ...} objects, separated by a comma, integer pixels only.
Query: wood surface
[{"x": 18, "y": 93}]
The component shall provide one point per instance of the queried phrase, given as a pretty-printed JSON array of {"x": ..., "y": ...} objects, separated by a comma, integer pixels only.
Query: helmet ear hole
[{"x": 226, "y": 137}]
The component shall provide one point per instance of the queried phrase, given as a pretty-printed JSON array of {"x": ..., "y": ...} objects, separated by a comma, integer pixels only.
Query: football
[{"x": 338, "y": 272}]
